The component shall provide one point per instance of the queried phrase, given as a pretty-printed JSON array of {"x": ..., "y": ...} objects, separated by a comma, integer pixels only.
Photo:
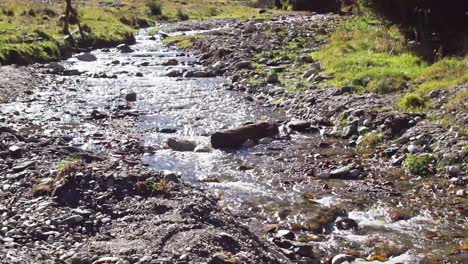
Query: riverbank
[{"x": 32, "y": 32}]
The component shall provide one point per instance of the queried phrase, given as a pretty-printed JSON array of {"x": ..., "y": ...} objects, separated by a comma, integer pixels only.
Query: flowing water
[{"x": 264, "y": 185}]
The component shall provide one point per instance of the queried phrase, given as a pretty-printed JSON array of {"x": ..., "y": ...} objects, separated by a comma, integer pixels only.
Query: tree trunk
[{"x": 68, "y": 11}]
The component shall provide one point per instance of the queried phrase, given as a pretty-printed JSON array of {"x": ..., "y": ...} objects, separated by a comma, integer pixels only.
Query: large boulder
[{"x": 234, "y": 138}]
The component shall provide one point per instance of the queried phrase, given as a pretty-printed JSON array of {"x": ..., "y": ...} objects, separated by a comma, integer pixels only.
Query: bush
[
  {"x": 155, "y": 7},
  {"x": 418, "y": 164},
  {"x": 320, "y": 6},
  {"x": 412, "y": 102},
  {"x": 181, "y": 15}
]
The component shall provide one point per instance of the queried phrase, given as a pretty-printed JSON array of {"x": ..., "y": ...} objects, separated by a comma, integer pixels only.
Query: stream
[{"x": 266, "y": 187}]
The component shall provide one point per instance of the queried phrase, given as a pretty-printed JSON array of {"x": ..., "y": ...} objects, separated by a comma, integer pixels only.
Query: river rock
[
  {"x": 350, "y": 130},
  {"x": 299, "y": 125},
  {"x": 340, "y": 173},
  {"x": 346, "y": 224},
  {"x": 243, "y": 65},
  {"x": 273, "y": 78},
  {"x": 266, "y": 140},
  {"x": 16, "y": 152},
  {"x": 453, "y": 170},
  {"x": 131, "y": 97},
  {"x": 342, "y": 259},
  {"x": 174, "y": 73},
  {"x": 86, "y": 57},
  {"x": 202, "y": 149},
  {"x": 181, "y": 145},
  {"x": 171, "y": 62},
  {"x": 234, "y": 138},
  {"x": 124, "y": 48}
]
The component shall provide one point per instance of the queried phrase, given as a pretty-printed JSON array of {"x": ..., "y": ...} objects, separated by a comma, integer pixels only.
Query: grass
[
  {"x": 371, "y": 139},
  {"x": 418, "y": 164},
  {"x": 374, "y": 56},
  {"x": 68, "y": 165},
  {"x": 412, "y": 102},
  {"x": 30, "y": 31},
  {"x": 181, "y": 41}
]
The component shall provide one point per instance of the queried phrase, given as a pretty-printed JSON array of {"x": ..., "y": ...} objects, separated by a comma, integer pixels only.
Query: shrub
[
  {"x": 418, "y": 164},
  {"x": 181, "y": 15},
  {"x": 155, "y": 7},
  {"x": 412, "y": 102}
]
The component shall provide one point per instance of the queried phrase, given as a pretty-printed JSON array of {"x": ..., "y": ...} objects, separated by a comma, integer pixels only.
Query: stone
[
  {"x": 286, "y": 234},
  {"x": 16, "y": 152},
  {"x": 234, "y": 138},
  {"x": 124, "y": 48},
  {"x": 88, "y": 57},
  {"x": 250, "y": 28},
  {"x": 342, "y": 259},
  {"x": 181, "y": 145},
  {"x": 220, "y": 258},
  {"x": 107, "y": 260},
  {"x": 243, "y": 65},
  {"x": 174, "y": 73},
  {"x": 348, "y": 131},
  {"x": 202, "y": 149},
  {"x": 74, "y": 219},
  {"x": 131, "y": 97},
  {"x": 248, "y": 143},
  {"x": 299, "y": 125},
  {"x": 346, "y": 224},
  {"x": 266, "y": 140},
  {"x": 24, "y": 165},
  {"x": 340, "y": 173},
  {"x": 273, "y": 78},
  {"x": 171, "y": 62},
  {"x": 453, "y": 170}
]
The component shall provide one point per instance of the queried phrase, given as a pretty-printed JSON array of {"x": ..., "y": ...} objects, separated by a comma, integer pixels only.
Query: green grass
[
  {"x": 412, "y": 102},
  {"x": 181, "y": 41},
  {"x": 68, "y": 165},
  {"x": 371, "y": 139},
  {"x": 374, "y": 57},
  {"x": 30, "y": 31},
  {"x": 418, "y": 164}
]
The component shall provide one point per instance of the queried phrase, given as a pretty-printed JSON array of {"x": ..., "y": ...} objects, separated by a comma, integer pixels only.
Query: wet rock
[
  {"x": 171, "y": 62},
  {"x": 167, "y": 130},
  {"x": 174, "y": 73},
  {"x": 266, "y": 140},
  {"x": 88, "y": 57},
  {"x": 181, "y": 145},
  {"x": 248, "y": 143},
  {"x": 16, "y": 152},
  {"x": 97, "y": 115},
  {"x": 124, "y": 48},
  {"x": 234, "y": 138},
  {"x": 202, "y": 149},
  {"x": 273, "y": 78},
  {"x": 285, "y": 234},
  {"x": 131, "y": 97},
  {"x": 346, "y": 224},
  {"x": 398, "y": 214},
  {"x": 303, "y": 249},
  {"x": 342, "y": 259}
]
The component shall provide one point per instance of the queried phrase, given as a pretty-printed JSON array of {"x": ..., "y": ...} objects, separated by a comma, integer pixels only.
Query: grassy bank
[
  {"x": 375, "y": 57},
  {"x": 30, "y": 31}
]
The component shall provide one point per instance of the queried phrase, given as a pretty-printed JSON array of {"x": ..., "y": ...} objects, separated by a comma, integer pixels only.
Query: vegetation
[
  {"x": 412, "y": 102},
  {"x": 371, "y": 139},
  {"x": 418, "y": 164},
  {"x": 181, "y": 41},
  {"x": 68, "y": 165},
  {"x": 31, "y": 31}
]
